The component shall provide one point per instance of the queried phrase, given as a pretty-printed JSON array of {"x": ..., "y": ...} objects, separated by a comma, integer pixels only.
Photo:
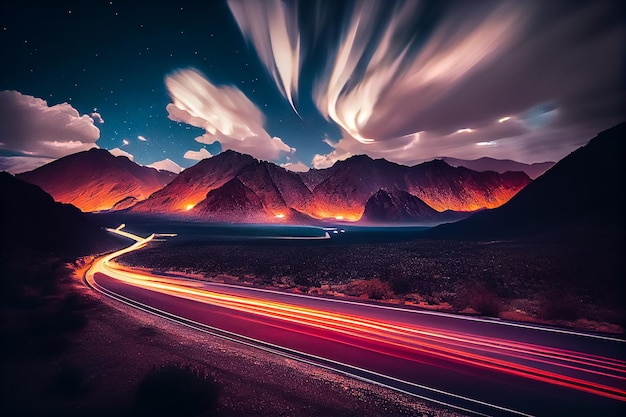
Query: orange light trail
[{"x": 604, "y": 376}]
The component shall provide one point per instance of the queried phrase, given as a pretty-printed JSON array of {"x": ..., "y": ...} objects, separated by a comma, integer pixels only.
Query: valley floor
[{"x": 569, "y": 285}]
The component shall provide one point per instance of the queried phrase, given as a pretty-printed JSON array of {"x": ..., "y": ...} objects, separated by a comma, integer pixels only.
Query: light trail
[
  {"x": 456, "y": 346},
  {"x": 590, "y": 373}
]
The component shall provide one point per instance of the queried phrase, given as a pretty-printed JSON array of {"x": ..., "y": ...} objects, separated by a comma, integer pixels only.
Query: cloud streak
[
  {"x": 396, "y": 69},
  {"x": 277, "y": 43},
  {"x": 224, "y": 112}
]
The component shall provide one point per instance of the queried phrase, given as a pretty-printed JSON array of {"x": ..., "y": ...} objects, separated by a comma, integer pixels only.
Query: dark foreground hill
[
  {"x": 31, "y": 220},
  {"x": 580, "y": 198}
]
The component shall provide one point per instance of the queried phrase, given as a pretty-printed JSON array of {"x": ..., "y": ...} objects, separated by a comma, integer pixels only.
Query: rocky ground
[{"x": 555, "y": 283}]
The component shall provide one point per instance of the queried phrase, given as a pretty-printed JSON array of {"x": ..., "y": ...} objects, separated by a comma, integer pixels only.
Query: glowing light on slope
[
  {"x": 279, "y": 216},
  {"x": 189, "y": 207}
]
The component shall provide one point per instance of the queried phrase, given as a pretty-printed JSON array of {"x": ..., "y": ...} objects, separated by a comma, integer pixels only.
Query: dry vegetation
[{"x": 570, "y": 285}]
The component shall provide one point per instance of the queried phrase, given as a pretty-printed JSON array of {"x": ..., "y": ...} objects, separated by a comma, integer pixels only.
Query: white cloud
[
  {"x": 97, "y": 117},
  {"x": 197, "y": 155},
  {"x": 225, "y": 113},
  {"x": 142, "y": 138},
  {"x": 295, "y": 167},
  {"x": 119, "y": 152},
  {"x": 30, "y": 126},
  {"x": 166, "y": 165},
  {"x": 18, "y": 164},
  {"x": 125, "y": 142}
]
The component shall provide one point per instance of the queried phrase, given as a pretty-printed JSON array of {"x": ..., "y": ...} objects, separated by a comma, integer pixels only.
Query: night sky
[{"x": 307, "y": 83}]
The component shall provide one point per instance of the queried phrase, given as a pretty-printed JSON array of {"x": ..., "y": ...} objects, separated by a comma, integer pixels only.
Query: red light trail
[{"x": 590, "y": 373}]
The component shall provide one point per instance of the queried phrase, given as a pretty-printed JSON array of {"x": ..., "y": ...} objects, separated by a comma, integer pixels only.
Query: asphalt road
[{"x": 479, "y": 366}]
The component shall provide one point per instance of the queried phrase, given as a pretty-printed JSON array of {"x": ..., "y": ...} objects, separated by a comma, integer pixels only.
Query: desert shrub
[
  {"x": 401, "y": 283},
  {"x": 559, "y": 307},
  {"x": 480, "y": 299},
  {"x": 374, "y": 289},
  {"x": 174, "y": 390},
  {"x": 377, "y": 290}
]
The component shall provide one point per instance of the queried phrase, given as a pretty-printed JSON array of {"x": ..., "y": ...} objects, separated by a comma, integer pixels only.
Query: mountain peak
[
  {"x": 397, "y": 206},
  {"x": 95, "y": 180}
]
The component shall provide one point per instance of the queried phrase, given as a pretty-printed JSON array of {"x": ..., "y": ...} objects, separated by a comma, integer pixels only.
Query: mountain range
[
  {"x": 500, "y": 165},
  {"x": 95, "y": 180},
  {"x": 269, "y": 193},
  {"x": 580, "y": 197},
  {"x": 234, "y": 187}
]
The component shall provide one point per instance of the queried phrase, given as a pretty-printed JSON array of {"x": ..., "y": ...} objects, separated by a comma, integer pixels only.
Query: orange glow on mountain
[
  {"x": 338, "y": 213},
  {"x": 472, "y": 200},
  {"x": 280, "y": 216},
  {"x": 189, "y": 206}
]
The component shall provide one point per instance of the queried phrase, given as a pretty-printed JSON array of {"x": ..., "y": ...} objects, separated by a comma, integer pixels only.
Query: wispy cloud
[
  {"x": 224, "y": 112},
  {"x": 18, "y": 164},
  {"x": 393, "y": 69},
  {"x": 277, "y": 43}
]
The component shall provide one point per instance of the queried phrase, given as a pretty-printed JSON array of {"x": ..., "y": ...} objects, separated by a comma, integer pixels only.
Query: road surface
[{"x": 478, "y": 366}]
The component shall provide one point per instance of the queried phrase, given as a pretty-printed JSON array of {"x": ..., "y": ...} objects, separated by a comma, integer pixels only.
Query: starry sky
[{"x": 305, "y": 84}]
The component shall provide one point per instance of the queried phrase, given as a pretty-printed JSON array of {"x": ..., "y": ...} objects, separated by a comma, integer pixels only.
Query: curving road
[{"x": 479, "y": 366}]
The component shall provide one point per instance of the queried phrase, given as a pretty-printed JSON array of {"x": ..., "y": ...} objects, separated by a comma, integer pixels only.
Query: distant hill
[
  {"x": 397, "y": 206},
  {"x": 500, "y": 165},
  {"x": 580, "y": 197},
  {"x": 95, "y": 180},
  {"x": 33, "y": 221}
]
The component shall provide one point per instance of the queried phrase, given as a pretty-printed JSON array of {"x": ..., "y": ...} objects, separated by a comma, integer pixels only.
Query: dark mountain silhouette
[
  {"x": 581, "y": 197},
  {"x": 33, "y": 221},
  {"x": 233, "y": 202},
  {"x": 95, "y": 180},
  {"x": 500, "y": 165},
  {"x": 399, "y": 206}
]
